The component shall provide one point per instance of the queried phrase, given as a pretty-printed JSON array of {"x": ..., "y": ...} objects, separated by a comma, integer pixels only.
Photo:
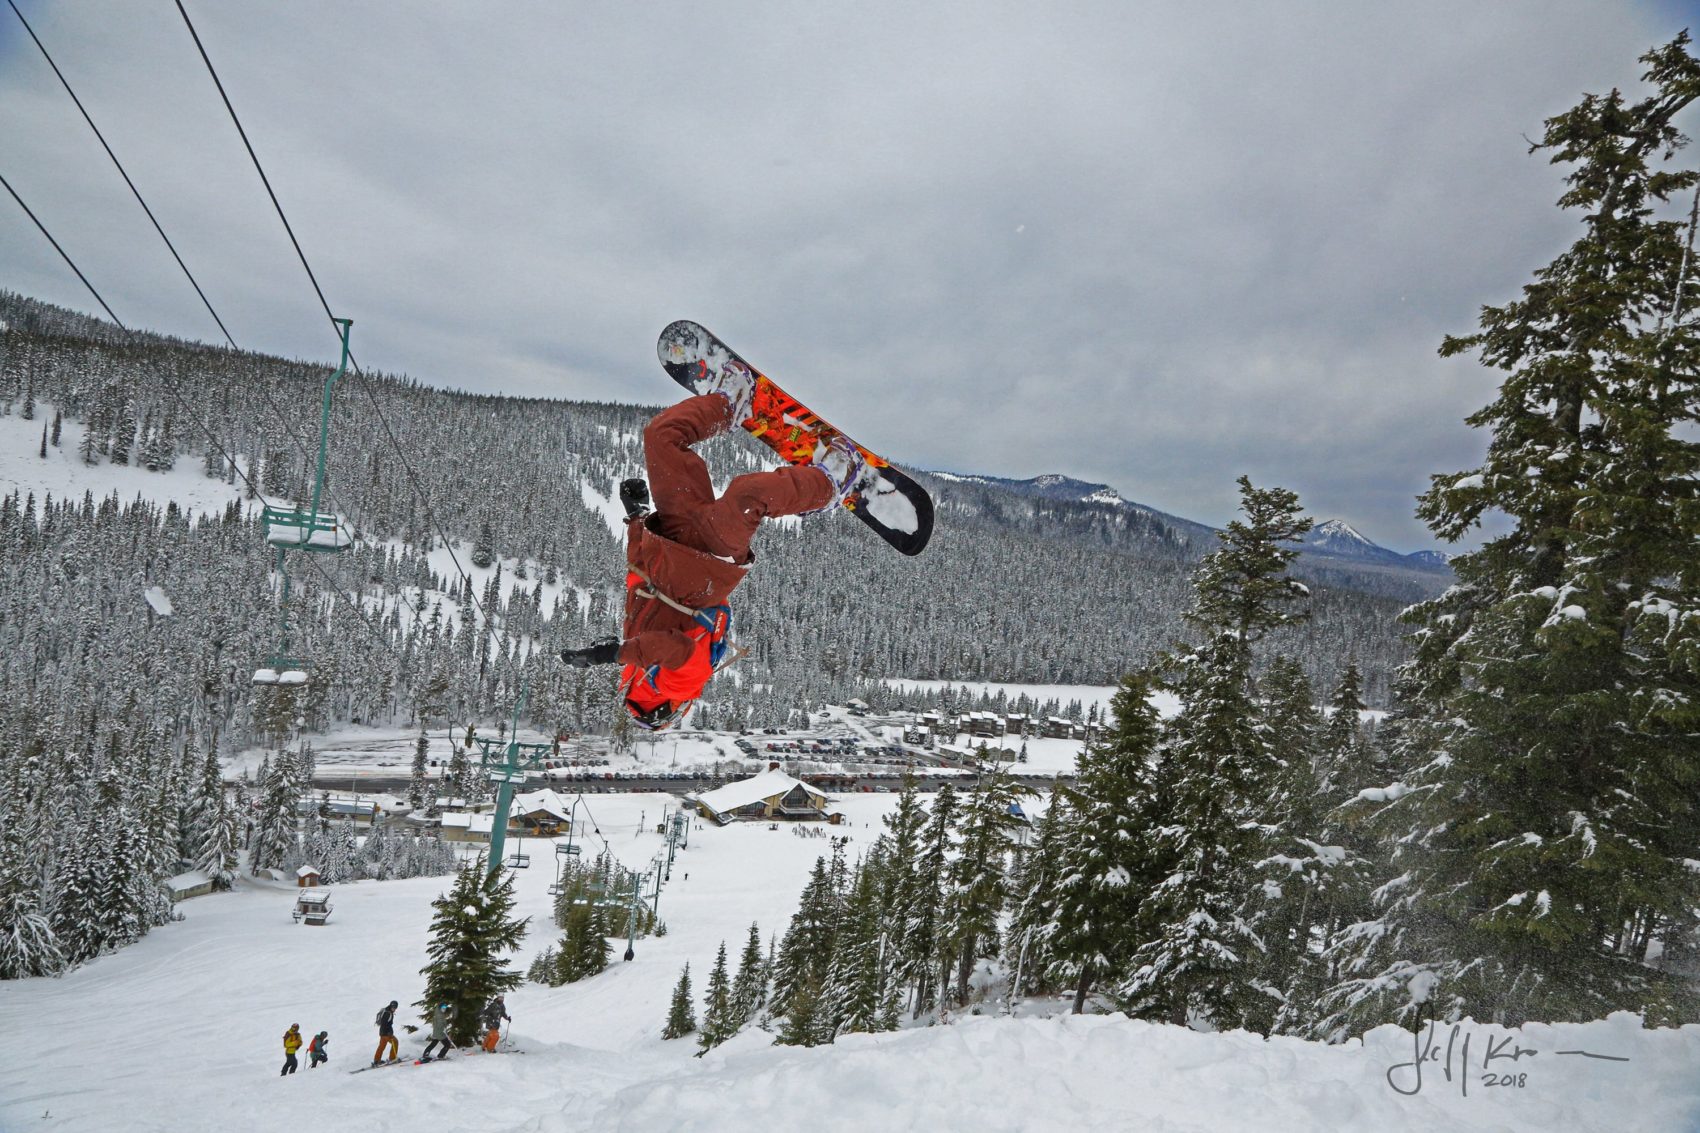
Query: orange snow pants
[
  {"x": 389, "y": 1041},
  {"x": 490, "y": 1038}
]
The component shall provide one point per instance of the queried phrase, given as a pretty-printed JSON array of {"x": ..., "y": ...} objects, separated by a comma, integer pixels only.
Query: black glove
[
  {"x": 634, "y": 494},
  {"x": 604, "y": 652}
]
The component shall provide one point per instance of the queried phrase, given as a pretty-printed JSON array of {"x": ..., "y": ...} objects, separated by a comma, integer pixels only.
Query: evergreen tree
[
  {"x": 1343, "y": 760},
  {"x": 978, "y": 875},
  {"x": 923, "y": 930},
  {"x": 471, "y": 929},
  {"x": 460, "y": 776},
  {"x": 853, "y": 996},
  {"x": 484, "y": 550},
  {"x": 1214, "y": 770},
  {"x": 718, "y": 1021},
  {"x": 1107, "y": 865},
  {"x": 28, "y": 945},
  {"x": 808, "y": 941},
  {"x": 216, "y": 853},
  {"x": 279, "y": 818},
  {"x": 418, "y": 787},
  {"x": 681, "y": 1015},
  {"x": 1298, "y": 872},
  {"x": 543, "y": 967},
  {"x": 749, "y": 987},
  {"x": 902, "y": 887},
  {"x": 584, "y": 949},
  {"x": 801, "y": 1026},
  {"x": 123, "y": 432},
  {"x": 1545, "y": 815},
  {"x": 1034, "y": 884}
]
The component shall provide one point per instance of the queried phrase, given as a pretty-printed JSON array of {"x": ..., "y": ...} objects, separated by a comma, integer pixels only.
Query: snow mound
[{"x": 1109, "y": 1072}]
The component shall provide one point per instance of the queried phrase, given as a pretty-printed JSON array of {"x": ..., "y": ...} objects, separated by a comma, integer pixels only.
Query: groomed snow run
[{"x": 182, "y": 1033}]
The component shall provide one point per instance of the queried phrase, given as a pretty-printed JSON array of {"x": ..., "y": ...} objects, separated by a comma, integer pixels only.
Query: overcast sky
[{"x": 1158, "y": 245}]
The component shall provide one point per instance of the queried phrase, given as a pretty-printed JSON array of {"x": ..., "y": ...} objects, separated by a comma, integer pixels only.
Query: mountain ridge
[{"x": 1330, "y": 539}]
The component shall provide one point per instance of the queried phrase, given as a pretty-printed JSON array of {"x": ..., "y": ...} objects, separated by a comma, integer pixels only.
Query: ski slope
[{"x": 182, "y": 1033}]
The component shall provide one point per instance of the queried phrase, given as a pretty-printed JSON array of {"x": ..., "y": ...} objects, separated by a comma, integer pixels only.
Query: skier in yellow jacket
[{"x": 291, "y": 1044}]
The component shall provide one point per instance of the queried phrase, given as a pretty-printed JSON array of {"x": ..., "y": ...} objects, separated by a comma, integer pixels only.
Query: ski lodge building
[
  {"x": 770, "y": 796},
  {"x": 540, "y": 814}
]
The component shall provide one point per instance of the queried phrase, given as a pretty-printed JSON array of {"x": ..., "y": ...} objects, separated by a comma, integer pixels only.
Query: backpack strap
[{"x": 649, "y": 590}]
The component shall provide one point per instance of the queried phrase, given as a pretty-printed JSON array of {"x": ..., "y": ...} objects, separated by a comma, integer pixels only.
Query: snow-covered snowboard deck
[{"x": 896, "y": 507}]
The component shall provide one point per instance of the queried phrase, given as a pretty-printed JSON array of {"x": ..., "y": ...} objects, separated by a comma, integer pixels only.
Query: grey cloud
[{"x": 1155, "y": 245}]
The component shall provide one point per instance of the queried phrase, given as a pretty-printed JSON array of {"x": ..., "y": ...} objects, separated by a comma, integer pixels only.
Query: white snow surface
[
  {"x": 63, "y": 476},
  {"x": 182, "y": 1032},
  {"x": 1166, "y": 703},
  {"x": 891, "y": 507}
]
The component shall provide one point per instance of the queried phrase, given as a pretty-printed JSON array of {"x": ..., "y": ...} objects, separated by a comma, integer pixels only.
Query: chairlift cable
[
  {"x": 334, "y": 589},
  {"x": 192, "y": 281},
  {"x": 265, "y": 391},
  {"x": 63, "y": 81},
  {"x": 63, "y": 254},
  {"x": 183, "y": 404},
  {"x": 407, "y": 466}
]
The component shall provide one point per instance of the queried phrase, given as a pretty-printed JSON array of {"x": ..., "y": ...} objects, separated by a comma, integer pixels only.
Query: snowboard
[{"x": 899, "y": 510}]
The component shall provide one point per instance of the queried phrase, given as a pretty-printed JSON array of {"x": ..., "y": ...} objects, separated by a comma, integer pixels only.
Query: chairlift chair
[
  {"x": 281, "y": 670},
  {"x": 303, "y": 529}
]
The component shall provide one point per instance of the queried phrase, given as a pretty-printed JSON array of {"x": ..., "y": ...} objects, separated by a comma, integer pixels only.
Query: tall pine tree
[
  {"x": 1547, "y": 807},
  {"x": 472, "y": 930}
]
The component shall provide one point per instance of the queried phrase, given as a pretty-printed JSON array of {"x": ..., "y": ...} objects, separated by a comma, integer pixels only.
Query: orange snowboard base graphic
[{"x": 899, "y": 510}]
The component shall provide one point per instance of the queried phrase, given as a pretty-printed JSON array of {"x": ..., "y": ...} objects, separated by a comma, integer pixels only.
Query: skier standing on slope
[
  {"x": 441, "y": 1017},
  {"x": 291, "y": 1044},
  {"x": 386, "y": 1033},
  {"x": 687, "y": 557},
  {"x": 494, "y": 1015},
  {"x": 316, "y": 1052}
]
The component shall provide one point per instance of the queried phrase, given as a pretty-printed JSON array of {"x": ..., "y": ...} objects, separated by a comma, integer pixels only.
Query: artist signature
[{"x": 1501, "y": 1060}]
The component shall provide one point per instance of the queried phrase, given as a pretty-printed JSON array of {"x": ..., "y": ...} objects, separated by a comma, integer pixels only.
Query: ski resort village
[{"x": 1162, "y": 592}]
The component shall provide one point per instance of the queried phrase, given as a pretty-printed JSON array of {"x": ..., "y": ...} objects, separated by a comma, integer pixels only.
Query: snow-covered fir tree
[
  {"x": 1107, "y": 865},
  {"x": 1543, "y": 811},
  {"x": 977, "y": 878},
  {"x": 472, "y": 931},
  {"x": 749, "y": 986},
  {"x": 681, "y": 1010},
  {"x": 1034, "y": 888},
  {"x": 719, "y": 1021},
  {"x": 1200, "y": 958}
]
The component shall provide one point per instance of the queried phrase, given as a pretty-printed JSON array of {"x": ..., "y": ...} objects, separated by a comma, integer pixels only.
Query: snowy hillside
[
  {"x": 188, "y": 1022},
  {"x": 61, "y": 474}
]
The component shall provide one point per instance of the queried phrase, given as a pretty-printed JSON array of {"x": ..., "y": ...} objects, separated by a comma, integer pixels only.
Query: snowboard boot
[
  {"x": 604, "y": 652},
  {"x": 736, "y": 384},
  {"x": 845, "y": 466}
]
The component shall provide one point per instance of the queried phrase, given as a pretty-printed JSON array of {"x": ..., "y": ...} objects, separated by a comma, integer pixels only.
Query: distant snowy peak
[
  {"x": 1340, "y": 537},
  {"x": 1050, "y": 486}
]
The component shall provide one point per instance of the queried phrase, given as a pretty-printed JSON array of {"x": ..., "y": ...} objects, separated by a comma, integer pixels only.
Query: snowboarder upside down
[{"x": 687, "y": 556}]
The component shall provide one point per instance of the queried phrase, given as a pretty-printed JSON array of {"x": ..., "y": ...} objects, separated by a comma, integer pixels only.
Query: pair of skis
[{"x": 437, "y": 1058}]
